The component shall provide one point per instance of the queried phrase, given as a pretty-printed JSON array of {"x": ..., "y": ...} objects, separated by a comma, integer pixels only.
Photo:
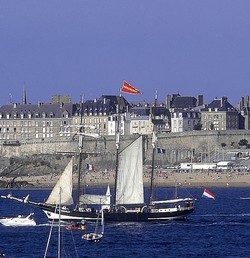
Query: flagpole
[
  {"x": 127, "y": 88},
  {"x": 117, "y": 142}
]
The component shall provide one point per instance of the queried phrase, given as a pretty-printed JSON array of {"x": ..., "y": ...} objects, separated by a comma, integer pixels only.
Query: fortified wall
[{"x": 194, "y": 146}]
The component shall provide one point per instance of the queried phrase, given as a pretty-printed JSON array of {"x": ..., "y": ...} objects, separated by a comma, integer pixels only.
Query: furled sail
[
  {"x": 62, "y": 191},
  {"x": 130, "y": 175},
  {"x": 93, "y": 199},
  {"x": 98, "y": 199}
]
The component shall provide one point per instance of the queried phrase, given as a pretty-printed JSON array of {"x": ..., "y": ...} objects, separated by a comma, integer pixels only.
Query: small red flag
[{"x": 127, "y": 88}]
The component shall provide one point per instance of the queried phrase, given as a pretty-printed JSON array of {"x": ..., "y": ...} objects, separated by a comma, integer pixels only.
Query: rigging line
[
  {"x": 174, "y": 177},
  {"x": 65, "y": 248},
  {"x": 74, "y": 243}
]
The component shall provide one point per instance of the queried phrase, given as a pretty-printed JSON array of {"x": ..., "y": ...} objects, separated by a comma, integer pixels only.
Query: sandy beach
[{"x": 162, "y": 178}]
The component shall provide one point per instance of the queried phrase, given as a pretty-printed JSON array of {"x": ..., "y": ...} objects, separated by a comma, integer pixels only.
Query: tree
[
  {"x": 198, "y": 126},
  {"x": 243, "y": 142}
]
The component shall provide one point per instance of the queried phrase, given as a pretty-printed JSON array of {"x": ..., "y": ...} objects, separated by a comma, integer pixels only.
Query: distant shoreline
[{"x": 163, "y": 179}]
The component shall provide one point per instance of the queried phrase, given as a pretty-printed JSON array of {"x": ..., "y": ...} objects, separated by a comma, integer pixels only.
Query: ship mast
[
  {"x": 81, "y": 136},
  {"x": 154, "y": 142},
  {"x": 117, "y": 143}
]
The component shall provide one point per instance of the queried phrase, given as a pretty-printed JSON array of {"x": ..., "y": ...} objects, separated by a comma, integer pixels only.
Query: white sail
[
  {"x": 65, "y": 184},
  {"x": 98, "y": 199},
  {"x": 93, "y": 199},
  {"x": 106, "y": 203},
  {"x": 130, "y": 175}
]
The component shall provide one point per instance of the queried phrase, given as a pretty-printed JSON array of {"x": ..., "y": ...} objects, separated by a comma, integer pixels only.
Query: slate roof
[
  {"x": 183, "y": 102},
  {"x": 105, "y": 104},
  {"x": 37, "y": 110},
  {"x": 220, "y": 104},
  {"x": 140, "y": 111}
]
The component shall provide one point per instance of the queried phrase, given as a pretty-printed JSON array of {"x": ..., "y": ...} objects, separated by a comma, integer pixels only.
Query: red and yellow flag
[{"x": 128, "y": 88}]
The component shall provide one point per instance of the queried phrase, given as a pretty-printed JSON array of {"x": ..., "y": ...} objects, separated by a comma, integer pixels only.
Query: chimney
[
  {"x": 200, "y": 100},
  {"x": 223, "y": 100},
  {"x": 168, "y": 102}
]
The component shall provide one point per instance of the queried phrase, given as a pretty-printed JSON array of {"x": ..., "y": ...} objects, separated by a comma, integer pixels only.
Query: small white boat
[
  {"x": 96, "y": 236},
  {"x": 19, "y": 221}
]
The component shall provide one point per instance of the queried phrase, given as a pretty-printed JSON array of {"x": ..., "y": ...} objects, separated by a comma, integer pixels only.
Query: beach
[{"x": 164, "y": 178}]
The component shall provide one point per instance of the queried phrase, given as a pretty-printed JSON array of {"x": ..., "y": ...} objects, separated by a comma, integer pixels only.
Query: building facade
[
  {"x": 25, "y": 121},
  {"x": 182, "y": 121},
  {"x": 219, "y": 115}
]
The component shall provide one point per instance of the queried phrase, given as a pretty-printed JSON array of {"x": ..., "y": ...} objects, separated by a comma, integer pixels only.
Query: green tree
[
  {"x": 243, "y": 142},
  {"x": 198, "y": 126}
]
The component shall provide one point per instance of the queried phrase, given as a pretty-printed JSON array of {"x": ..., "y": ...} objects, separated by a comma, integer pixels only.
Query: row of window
[{"x": 30, "y": 116}]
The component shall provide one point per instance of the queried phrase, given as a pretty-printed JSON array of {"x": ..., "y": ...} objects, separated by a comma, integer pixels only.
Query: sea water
[{"x": 217, "y": 228}]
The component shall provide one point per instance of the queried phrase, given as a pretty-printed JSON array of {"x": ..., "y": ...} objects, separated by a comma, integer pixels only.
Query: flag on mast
[
  {"x": 208, "y": 194},
  {"x": 160, "y": 150},
  {"x": 89, "y": 167},
  {"x": 128, "y": 88}
]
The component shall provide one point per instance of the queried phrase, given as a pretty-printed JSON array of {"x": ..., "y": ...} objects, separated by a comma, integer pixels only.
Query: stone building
[
  {"x": 186, "y": 120},
  {"x": 98, "y": 114},
  {"x": 244, "y": 110},
  {"x": 219, "y": 115},
  {"x": 42, "y": 120},
  {"x": 58, "y": 119}
]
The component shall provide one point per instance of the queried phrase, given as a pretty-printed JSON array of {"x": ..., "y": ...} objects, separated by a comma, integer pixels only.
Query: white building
[{"x": 182, "y": 121}]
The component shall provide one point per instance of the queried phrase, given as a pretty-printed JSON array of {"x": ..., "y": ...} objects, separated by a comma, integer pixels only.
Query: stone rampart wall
[{"x": 179, "y": 147}]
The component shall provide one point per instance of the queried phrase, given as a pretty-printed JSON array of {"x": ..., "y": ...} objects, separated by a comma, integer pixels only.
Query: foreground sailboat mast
[
  {"x": 154, "y": 142},
  {"x": 59, "y": 226}
]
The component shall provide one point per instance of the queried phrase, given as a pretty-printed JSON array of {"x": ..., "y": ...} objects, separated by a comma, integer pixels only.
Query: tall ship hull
[
  {"x": 177, "y": 209},
  {"x": 170, "y": 213},
  {"x": 121, "y": 217}
]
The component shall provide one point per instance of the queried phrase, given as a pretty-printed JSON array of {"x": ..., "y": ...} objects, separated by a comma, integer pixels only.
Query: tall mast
[
  {"x": 81, "y": 136},
  {"x": 117, "y": 143},
  {"x": 154, "y": 142}
]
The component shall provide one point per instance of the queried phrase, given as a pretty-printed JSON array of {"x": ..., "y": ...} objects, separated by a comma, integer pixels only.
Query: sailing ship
[{"x": 128, "y": 199}]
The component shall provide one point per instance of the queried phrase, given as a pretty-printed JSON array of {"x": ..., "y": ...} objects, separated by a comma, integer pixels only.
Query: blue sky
[{"x": 89, "y": 47}]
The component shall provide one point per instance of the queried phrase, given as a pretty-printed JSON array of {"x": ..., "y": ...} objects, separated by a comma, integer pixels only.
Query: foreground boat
[
  {"x": 19, "y": 221},
  {"x": 97, "y": 235}
]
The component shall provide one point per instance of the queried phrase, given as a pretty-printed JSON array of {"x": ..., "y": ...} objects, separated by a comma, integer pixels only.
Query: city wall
[{"x": 203, "y": 146}]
